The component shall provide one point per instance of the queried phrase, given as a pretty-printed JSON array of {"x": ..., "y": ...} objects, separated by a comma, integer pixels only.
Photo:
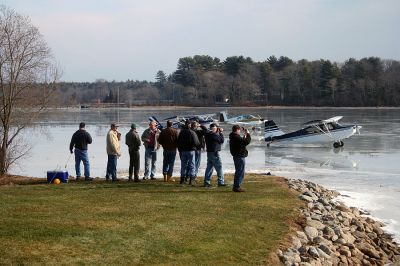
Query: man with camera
[
  {"x": 214, "y": 140},
  {"x": 237, "y": 145}
]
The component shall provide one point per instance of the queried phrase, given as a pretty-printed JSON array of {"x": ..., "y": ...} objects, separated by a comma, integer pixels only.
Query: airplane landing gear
[{"x": 338, "y": 144}]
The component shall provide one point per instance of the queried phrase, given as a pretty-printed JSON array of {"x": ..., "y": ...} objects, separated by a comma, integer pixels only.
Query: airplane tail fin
[
  {"x": 223, "y": 117},
  {"x": 271, "y": 130}
]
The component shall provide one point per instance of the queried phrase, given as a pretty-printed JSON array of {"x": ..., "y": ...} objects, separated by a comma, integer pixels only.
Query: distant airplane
[
  {"x": 246, "y": 119},
  {"x": 314, "y": 132}
]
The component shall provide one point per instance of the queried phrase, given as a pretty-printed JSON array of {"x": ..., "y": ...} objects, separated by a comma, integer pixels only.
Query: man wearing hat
[
  {"x": 113, "y": 152},
  {"x": 132, "y": 139},
  {"x": 214, "y": 140},
  {"x": 80, "y": 140}
]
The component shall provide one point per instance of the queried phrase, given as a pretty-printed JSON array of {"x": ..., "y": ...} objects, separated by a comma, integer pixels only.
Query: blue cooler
[{"x": 62, "y": 175}]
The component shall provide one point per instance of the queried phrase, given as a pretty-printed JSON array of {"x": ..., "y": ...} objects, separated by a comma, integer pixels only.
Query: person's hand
[{"x": 71, "y": 151}]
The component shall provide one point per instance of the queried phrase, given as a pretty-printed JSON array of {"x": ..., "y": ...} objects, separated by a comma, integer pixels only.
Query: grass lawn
[{"x": 144, "y": 223}]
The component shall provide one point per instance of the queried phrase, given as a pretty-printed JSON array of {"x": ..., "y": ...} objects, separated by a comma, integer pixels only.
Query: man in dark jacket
[
  {"x": 237, "y": 145},
  {"x": 167, "y": 139},
  {"x": 214, "y": 140},
  {"x": 187, "y": 143},
  {"x": 132, "y": 139},
  {"x": 197, "y": 153},
  {"x": 80, "y": 140}
]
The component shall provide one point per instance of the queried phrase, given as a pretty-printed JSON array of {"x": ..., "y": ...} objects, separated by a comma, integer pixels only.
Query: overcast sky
[{"x": 133, "y": 39}]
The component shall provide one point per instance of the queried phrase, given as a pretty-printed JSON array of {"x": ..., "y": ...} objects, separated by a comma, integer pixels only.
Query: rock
[
  {"x": 334, "y": 238},
  {"x": 316, "y": 224},
  {"x": 368, "y": 250},
  {"x": 377, "y": 230},
  {"x": 343, "y": 208},
  {"x": 345, "y": 251},
  {"x": 328, "y": 231},
  {"x": 322, "y": 254},
  {"x": 311, "y": 232},
  {"x": 325, "y": 249},
  {"x": 306, "y": 198},
  {"x": 348, "y": 238},
  {"x": 340, "y": 241},
  {"x": 313, "y": 252},
  {"x": 296, "y": 243}
]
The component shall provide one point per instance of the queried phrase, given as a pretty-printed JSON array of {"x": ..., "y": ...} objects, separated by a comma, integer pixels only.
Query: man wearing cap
[
  {"x": 113, "y": 152},
  {"x": 80, "y": 140},
  {"x": 168, "y": 138},
  {"x": 197, "y": 153},
  {"x": 187, "y": 143},
  {"x": 214, "y": 140},
  {"x": 132, "y": 139},
  {"x": 150, "y": 142}
]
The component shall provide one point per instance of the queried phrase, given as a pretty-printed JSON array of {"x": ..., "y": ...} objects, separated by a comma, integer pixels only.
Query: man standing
[
  {"x": 168, "y": 138},
  {"x": 187, "y": 143},
  {"x": 132, "y": 139},
  {"x": 80, "y": 140},
  {"x": 113, "y": 151},
  {"x": 197, "y": 153},
  {"x": 150, "y": 141},
  {"x": 214, "y": 140},
  {"x": 237, "y": 145}
]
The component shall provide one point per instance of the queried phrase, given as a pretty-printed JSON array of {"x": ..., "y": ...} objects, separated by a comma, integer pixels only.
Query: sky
[{"x": 133, "y": 39}]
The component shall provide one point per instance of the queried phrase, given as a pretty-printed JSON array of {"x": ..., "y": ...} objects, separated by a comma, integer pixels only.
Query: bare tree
[{"x": 28, "y": 75}]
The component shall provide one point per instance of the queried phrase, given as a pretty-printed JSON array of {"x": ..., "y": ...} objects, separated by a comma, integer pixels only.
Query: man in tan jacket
[{"x": 113, "y": 151}]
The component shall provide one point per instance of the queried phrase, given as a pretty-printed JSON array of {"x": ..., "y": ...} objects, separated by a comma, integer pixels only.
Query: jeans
[
  {"x": 168, "y": 162},
  {"x": 150, "y": 158},
  {"x": 240, "y": 163},
  {"x": 187, "y": 164},
  {"x": 197, "y": 161},
  {"x": 112, "y": 167},
  {"x": 214, "y": 161},
  {"x": 82, "y": 155},
  {"x": 134, "y": 164}
]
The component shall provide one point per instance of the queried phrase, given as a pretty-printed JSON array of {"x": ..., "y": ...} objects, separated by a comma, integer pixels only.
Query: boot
[
  {"x": 165, "y": 177},
  {"x": 130, "y": 179},
  {"x": 169, "y": 178},
  {"x": 182, "y": 180}
]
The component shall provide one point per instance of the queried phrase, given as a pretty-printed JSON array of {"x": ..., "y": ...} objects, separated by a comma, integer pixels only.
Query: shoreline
[
  {"x": 180, "y": 107},
  {"x": 334, "y": 234}
]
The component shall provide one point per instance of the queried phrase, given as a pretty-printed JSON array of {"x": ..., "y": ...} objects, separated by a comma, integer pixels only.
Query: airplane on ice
[
  {"x": 247, "y": 119},
  {"x": 313, "y": 132}
]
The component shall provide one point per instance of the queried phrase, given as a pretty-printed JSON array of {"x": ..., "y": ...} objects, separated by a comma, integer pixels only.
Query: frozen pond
[{"x": 366, "y": 169}]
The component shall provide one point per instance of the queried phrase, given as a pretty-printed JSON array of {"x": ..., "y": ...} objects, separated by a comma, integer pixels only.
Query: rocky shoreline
[{"x": 334, "y": 234}]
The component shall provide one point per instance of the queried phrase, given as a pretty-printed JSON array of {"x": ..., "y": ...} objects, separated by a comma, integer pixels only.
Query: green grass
[{"x": 143, "y": 223}]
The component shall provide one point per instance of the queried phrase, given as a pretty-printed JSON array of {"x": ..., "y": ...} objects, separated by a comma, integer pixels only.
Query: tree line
[{"x": 202, "y": 80}]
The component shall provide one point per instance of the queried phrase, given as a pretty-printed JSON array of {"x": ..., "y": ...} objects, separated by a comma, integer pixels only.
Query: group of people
[{"x": 189, "y": 141}]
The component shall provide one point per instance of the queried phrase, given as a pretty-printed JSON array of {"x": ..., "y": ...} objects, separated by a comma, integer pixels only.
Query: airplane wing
[{"x": 333, "y": 119}]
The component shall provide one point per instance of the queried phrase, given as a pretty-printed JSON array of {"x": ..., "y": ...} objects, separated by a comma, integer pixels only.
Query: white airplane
[
  {"x": 313, "y": 132},
  {"x": 248, "y": 120}
]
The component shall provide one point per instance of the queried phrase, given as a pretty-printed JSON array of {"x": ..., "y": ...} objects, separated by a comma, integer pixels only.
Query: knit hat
[{"x": 134, "y": 126}]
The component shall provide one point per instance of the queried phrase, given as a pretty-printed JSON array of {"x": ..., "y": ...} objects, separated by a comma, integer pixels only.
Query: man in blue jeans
[
  {"x": 80, "y": 140},
  {"x": 150, "y": 142},
  {"x": 214, "y": 140},
  {"x": 168, "y": 138},
  {"x": 237, "y": 145},
  {"x": 187, "y": 143}
]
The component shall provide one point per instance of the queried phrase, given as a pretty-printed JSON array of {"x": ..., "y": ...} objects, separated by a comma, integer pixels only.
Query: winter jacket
[
  {"x": 113, "y": 146},
  {"x": 214, "y": 141},
  {"x": 132, "y": 139},
  {"x": 201, "y": 136},
  {"x": 80, "y": 139},
  {"x": 187, "y": 140},
  {"x": 146, "y": 137},
  {"x": 168, "y": 139},
  {"x": 237, "y": 144}
]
